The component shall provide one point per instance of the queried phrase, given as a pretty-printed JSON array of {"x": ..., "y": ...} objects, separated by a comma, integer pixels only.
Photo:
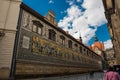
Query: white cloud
[
  {"x": 72, "y": 13},
  {"x": 51, "y": 2},
  {"x": 108, "y": 44},
  {"x": 80, "y": 21},
  {"x": 79, "y": 0},
  {"x": 94, "y": 12},
  {"x": 70, "y": 2}
]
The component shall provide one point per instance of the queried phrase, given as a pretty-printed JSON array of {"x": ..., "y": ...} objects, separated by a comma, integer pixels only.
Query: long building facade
[
  {"x": 39, "y": 47},
  {"x": 112, "y": 12}
]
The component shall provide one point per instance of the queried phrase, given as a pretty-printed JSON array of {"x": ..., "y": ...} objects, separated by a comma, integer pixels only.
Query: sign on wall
[{"x": 26, "y": 41}]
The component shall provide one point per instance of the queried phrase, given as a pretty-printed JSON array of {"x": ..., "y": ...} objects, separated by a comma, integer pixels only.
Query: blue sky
[{"x": 79, "y": 17}]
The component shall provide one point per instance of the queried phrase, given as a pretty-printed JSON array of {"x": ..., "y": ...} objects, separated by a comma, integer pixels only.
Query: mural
[{"x": 45, "y": 48}]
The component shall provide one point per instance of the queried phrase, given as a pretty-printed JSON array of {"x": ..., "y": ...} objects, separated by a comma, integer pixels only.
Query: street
[{"x": 86, "y": 76}]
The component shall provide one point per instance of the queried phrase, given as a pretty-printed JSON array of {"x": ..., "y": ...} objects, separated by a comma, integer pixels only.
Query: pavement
[{"x": 86, "y": 76}]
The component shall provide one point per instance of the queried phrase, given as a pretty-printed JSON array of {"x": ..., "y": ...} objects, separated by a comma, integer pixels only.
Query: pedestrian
[
  {"x": 111, "y": 74},
  {"x": 118, "y": 70},
  {"x": 91, "y": 74}
]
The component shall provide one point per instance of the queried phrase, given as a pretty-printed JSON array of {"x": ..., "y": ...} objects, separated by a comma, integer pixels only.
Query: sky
[{"x": 83, "y": 18}]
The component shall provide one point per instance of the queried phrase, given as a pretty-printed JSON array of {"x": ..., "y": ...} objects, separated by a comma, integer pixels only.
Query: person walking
[
  {"x": 111, "y": 74},
  {"x": 118, "y": 70},
  {"x": 91, "y": 74}
]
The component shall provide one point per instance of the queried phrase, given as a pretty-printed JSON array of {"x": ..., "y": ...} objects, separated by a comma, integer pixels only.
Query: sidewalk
[{"x": 87, "y": 76}]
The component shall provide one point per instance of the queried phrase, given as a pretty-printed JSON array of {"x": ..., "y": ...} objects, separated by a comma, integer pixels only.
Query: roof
[{"x": 97, "y": 44}]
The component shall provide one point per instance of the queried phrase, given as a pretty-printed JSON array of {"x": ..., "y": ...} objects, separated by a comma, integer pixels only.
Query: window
[
  {"x": 62, "y": 40},
  {"x": 80, "y": 49},
  {"x": 39, "y": 30},
  {"x": 76, "y": 47},
  {"x": 69, "y": 44},
  {"x": 34, "y": 28},
  {"x": 84, "y": 51},
  {"x": 87, "y": 53},
  {"x": 37, "y": 27},
  {"x": 52, "y": 35}
]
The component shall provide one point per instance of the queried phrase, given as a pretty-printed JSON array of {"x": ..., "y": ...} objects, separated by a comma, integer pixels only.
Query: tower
[
  {"x": 98, "y": 47},
  {"x": 80, "y": 38},
  {"x": 96, "y": 39}
]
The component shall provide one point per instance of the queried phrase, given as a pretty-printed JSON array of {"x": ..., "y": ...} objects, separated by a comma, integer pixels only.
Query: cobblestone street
[{"x": 95, "y": 76}]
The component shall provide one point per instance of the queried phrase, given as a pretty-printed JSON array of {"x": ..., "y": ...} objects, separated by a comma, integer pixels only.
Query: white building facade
[{"x": 9, "y": 13}]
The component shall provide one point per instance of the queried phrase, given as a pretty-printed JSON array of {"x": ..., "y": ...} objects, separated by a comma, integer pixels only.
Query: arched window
[
  {"x": 76, "y": 47},
  {"x": 84, "y": 51},
  {"x": 62, "y": 40},
  {"x": 52, "y": 35},
  {"x": 69, "y": 44},
  {"x": 80, "y": 49}
]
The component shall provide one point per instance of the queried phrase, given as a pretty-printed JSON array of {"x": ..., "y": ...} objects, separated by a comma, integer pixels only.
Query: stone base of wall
[
  {"x": 33, "y": 69},
  {"x": 4, "y": 73}
]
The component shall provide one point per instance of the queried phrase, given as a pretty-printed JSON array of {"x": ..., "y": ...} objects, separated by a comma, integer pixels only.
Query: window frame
[
  {"x": 62, "y": 39},
  {"x": 70, "y": 44},
  {"x": 51, "y": 34},
  {"x": 38, "y": 26}
]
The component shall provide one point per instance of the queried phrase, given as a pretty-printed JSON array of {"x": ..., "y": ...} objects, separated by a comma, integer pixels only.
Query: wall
[
  {"x": 9, "y": 13},
  {"x": 113, "y": 17}
]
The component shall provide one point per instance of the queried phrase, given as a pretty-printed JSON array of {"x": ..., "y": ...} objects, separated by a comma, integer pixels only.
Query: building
[
  {"x": 97, "y": 47},
  {"x": 9, "y": 13},
  {"x": 37, "y": 46},
  {"x": 112, "y": 12},
  {"x": 41, "y": 40},
  {"x": 110, "y": 55}
]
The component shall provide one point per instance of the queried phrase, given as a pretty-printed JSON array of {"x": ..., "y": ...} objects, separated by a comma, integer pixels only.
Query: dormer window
[
  {"x": 52, "y": 35},
  {"x": 51, "y": 17}
]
